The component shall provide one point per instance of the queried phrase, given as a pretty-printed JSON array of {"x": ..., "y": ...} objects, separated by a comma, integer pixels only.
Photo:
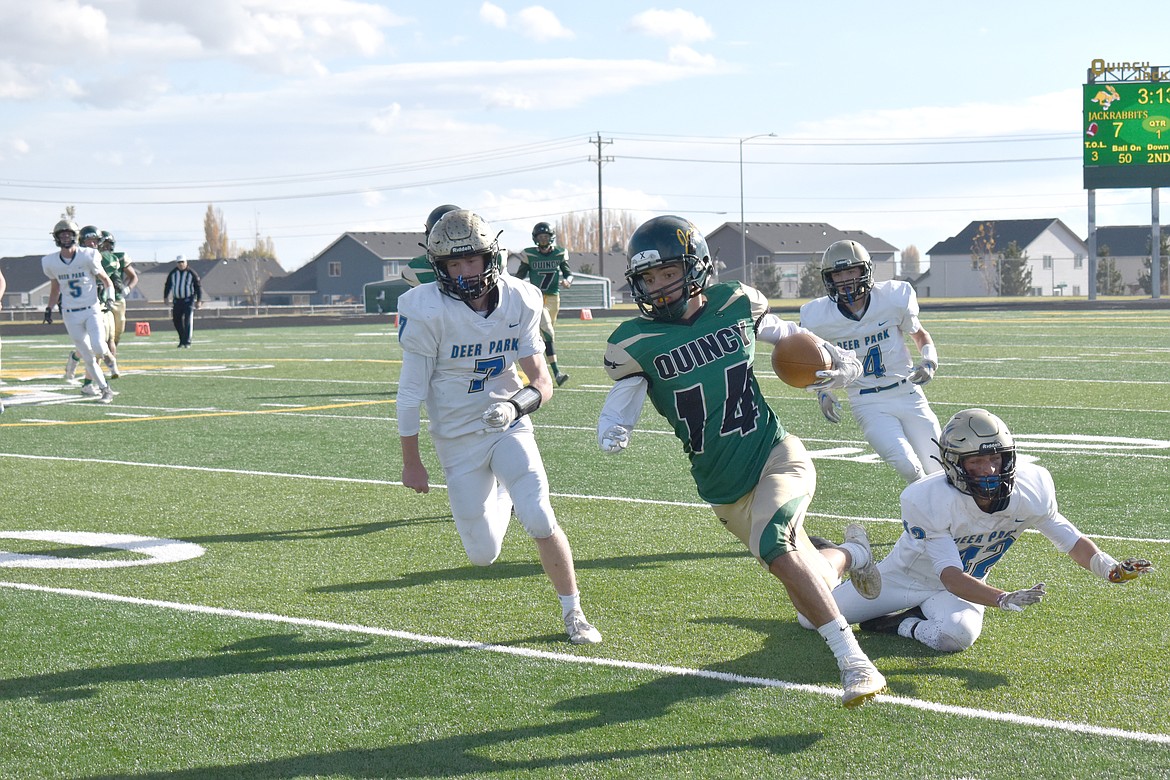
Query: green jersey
[
  {"x": 418, "y": 271},
  {"x": 701, "y": 380},
  {"x": 114, "y": 264},
  {"x": 546, "y": 270}
]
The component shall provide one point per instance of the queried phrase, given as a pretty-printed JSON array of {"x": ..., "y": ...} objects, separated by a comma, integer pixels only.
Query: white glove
[
  {"x": 846, "y": 370},
  {"x": 498, "y": 417},
  {"x": 1018, "y": 599},
  {"x": 830, "y": 406},
  {"x": 615, "y": 439},
  {"x": 923, "y": 372}
]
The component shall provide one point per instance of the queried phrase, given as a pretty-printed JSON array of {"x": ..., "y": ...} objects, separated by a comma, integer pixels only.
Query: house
[
  {"x": 339, "y": 272},
  {"x": 1129, "y": 247},
  {"x": 789, "y": 246},
  {"x": 1056, "y": 258},
  {"x": 27, "y": 285},
  {"x": 228, "y": 282}
]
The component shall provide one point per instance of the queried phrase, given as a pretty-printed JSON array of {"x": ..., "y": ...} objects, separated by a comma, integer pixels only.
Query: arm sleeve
[
  {"x": 522, "y": 271},
  {"x": 413, "y": 381},
  {"x": 771, "y": 328},
  {"x": 623, "y": 404}
]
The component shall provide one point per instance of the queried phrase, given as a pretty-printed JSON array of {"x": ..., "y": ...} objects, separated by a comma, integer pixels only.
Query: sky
[{"x": 300, "y": 120}]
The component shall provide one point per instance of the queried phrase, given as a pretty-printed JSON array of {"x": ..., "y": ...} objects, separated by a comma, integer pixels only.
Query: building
[
  {"x": 1129, "y": 247},
  {"x": 341, "y": 270},
  {"x": 789, "y": 246},
  {"x": 1056, "y": 257}
]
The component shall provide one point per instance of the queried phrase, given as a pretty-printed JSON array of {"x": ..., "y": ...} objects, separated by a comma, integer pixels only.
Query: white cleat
[
  {"x": 91, "y": 390},
  {"x": 107, "y": 396},
  {"x": 861, "y": 683},
  {"x": 579, "y": 629},
  {"x": 866, "y": 579}
]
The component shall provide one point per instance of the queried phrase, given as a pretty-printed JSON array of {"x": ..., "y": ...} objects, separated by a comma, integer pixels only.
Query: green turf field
[{"x": 333, "y": 628}]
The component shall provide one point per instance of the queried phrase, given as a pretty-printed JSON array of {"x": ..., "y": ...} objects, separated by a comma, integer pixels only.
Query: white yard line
[{"x": 765, "y": 682}]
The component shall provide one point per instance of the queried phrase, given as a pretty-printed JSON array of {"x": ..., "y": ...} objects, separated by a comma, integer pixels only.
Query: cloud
[
  {"x": 541, "y": 24},
  {"x": 493, "y": 16},
  {"x": 678, "y": 25},
  {"x": 685, "y": 55}
]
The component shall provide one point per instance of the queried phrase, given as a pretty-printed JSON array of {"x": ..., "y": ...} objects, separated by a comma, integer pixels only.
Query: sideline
[{"x": 765, "y": 682}]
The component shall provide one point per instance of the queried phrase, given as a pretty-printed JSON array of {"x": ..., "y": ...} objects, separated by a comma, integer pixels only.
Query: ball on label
[{"x": 796, "y": 359}]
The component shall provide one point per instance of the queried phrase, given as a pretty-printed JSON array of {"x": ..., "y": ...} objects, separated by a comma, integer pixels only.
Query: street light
[{"x": 747, "y": 276}]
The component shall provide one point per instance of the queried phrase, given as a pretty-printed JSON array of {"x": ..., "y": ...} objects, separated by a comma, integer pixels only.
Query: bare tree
[
  {"x": 577, "y": 232},
  {"x": 984, "y": 258},
  {"x": 911, "y": 262}
]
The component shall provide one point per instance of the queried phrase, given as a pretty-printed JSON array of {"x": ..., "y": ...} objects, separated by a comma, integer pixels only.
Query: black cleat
[
  {"x": 888, "y": 624},
  {"x": 561, "y": 379}
]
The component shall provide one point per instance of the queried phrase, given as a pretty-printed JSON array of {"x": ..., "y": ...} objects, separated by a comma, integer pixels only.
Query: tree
[
  {"x": 256, "y": 266},
  {"x": 811, "y": 283},
  {"x": 215, "y": 237},
  {"x": 983, "y": 258},
  {"x": 1015, "y": 277},
  {"x": 767, "y": 280},
  {"x": 577, "y": 232},
  {"x": 1145, "y": 277},
  {"x": 911, "y": 262},
  {"x": 1108, "y": 277}
]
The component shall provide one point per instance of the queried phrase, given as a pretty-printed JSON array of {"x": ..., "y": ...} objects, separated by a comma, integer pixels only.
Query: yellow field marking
[{"x": 194, "y": 415}]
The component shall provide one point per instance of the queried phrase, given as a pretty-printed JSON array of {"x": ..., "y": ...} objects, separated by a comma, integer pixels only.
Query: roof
[
  {"x": 23, "y": 274},
  {"x": 1126, "y": 240},
  {"x": 808, "y": 237},
  {"x": 302, "y": 280},
  {"x": 386, "y": 245},
  {"x": 1021, "y": 231}
]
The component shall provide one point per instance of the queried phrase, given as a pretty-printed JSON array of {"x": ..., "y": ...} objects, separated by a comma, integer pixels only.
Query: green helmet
[
  {"x": 89, "y": 233},
  {"x": 65, "y": 226},
  {"x": 663, "y": 241},
  {"x": 107, "y": 238}
]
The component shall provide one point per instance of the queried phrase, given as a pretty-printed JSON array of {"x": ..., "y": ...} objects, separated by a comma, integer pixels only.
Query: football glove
[
  {"x": 1129, "y": 569},
  {"x": 923, "y": 372},
  {"x": 1018, "y": 599},
  {"x": 48, "y": 315},
  {"x": 615, "y": 439},
  {"x": 845, "y": 371},
  {"x": 830, "y": 406},
  {"x": 498, "y": 417}
]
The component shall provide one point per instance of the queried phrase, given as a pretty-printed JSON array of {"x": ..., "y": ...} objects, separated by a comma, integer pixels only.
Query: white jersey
[
  {"x": 943, "y": 527},
  {"x": 474, "y": 356},
  {"x": 76, "y": 276},
  {"x": 878, "y": 338}
]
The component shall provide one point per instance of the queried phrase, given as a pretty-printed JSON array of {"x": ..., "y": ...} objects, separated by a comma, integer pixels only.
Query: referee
[{"x": 183, "y": 284}]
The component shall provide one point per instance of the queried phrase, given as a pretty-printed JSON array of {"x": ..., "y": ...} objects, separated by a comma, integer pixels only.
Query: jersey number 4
[{"x": 740, "y": 411}]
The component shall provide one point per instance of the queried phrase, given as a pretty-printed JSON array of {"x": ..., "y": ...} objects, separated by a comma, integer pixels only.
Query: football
[{"x": 796, "y": 359}]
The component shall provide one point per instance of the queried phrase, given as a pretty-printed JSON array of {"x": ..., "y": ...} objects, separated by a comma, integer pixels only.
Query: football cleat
[
  {"x": 107, "y": 396},
  {"x": 90, "y": 389},
  {"x": 860, "y": 684},
  {"x": 561, "y": 379},
  {"x": 866, "y": 579},
  {"x": 888, "y": 624},
  {"x": 579, "y": 629}
]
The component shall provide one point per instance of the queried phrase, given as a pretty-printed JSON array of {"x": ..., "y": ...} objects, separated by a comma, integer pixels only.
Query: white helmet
[
  {"x": 978, "y": 432},
  {"x": 842, "y": 255},
  {"x": 65, "y": 226},
  {"x": 459, "y": 234}
]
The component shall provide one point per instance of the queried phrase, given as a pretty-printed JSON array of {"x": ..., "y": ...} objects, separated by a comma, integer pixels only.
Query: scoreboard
[{"x": 1127, "y": 135}]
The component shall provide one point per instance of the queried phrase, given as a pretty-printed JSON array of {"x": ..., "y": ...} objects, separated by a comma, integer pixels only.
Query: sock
[
  {"x": 569, "y": 603},
  {"x": 838, "y": 635},
  {"x": 907, "y": 626},
  {"x": 858, "y": 557},
  {"x": 87, "y": 381},
  {"x": 555, "y": 371}
]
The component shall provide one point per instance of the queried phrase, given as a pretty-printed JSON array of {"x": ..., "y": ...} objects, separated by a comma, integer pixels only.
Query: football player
[
  {"x": 691, "y": 353},
  {"x": 462, "y": 337},
  {"x": 874, "y": 319},
  {"x": 547, "y": 266},
  {"x": 958, "y": 525},
  {"x": 76, "y": 275}
]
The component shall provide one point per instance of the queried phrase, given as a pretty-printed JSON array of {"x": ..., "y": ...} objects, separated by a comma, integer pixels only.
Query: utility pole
[{"x": 600, "y": 212}]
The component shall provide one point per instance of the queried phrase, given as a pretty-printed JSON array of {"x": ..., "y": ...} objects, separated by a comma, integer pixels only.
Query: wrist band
[{"x": 526, "y": 400}]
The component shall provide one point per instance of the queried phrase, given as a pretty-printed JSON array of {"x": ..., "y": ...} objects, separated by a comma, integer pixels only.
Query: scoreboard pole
[{"x": 1155, "y": 248}]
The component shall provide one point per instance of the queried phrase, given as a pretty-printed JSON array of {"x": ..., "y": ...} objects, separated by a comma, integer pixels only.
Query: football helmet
[
  {"x": 662, "y": 241},
  {"x": 65, "y": 226},
  {"x": 459, "y": 234},
  {"x": 979, "y": 432},
  {"x": 89, "y": 233},
  {"x": 436, "y": 214},
  {"x": 543, "y": 228},
  {"x": 108, "y": 238},
  {"x": 840, "y": 256}
]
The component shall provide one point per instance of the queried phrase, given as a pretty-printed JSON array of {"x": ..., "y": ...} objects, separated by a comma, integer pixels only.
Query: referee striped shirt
[{"x": 183, "y": 283}]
